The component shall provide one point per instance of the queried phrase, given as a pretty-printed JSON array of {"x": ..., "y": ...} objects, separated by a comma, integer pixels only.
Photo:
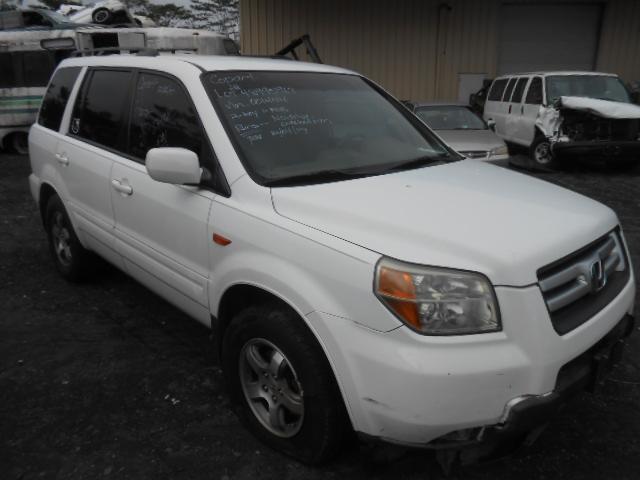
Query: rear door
[
  {"x": 94, "y": 140},
  {"x": 515, "y": 111},
  {"x": 161, "y": 228}
]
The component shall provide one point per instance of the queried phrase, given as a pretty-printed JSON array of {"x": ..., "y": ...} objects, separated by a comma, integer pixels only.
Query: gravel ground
[{"x": 108, "y": 380}]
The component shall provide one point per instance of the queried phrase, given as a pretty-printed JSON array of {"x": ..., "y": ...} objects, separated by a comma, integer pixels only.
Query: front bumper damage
[
  {"x": 525, "y": 417},
  {"x": 589, "y": 128}
]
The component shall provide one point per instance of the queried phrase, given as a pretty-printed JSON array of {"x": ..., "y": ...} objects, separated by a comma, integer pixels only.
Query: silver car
[{"x": 462, "y": 130}]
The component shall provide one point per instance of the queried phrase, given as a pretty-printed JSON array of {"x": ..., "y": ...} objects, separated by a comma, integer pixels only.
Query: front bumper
[
  {"x": 416, "y": 390},
  {"x": 524, "y": 416},
  {"x": 609, "y": 151}
]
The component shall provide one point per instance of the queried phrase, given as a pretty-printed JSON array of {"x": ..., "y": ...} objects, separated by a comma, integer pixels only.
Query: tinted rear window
[
  {"x": 497, "y": 89},
  {"x": 507, "y": 92},
  {"x": 519, "y": 90},
  {"x": 55, "y": 100},
  {"x": 99, "y": 113}
]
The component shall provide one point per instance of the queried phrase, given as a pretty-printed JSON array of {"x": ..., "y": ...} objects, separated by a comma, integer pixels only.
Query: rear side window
[
  {"x": 99, "y": 112},
  {"x": 534, "y": 94},
  {"x": 55, "y": 100},
  {"x": 519, "y": 90},
  {"x": 163, "y": 116},
  {"x": 509, "y": 89},
  {"x": 497, "y": 89}
]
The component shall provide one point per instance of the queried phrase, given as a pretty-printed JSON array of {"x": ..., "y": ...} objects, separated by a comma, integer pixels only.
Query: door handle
[
  {"x": 120, "y": 187},
  {"x": 521, "y": 109},
  {"x": 62, "y": 159},
  {"x": 510, "y": 108}
]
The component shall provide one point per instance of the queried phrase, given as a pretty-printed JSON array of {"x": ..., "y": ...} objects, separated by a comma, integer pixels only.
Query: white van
[
  {"x": 357, "y": 273},
  {"x": 566, "y": 114}
]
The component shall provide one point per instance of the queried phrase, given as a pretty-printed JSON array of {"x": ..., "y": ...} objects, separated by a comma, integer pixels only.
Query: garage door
[{"x": 548, "y": 37}]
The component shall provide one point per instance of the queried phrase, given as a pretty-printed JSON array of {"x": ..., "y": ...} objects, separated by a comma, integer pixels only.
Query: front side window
[
  {"x": 163, "y": 116},
  {"x": 602, "y": 87},
  {"x": 99, "y": 112},
  {"x": 55, "y": 100},
  {"x": 450, "y": 117},
  {"x": 299, "y": 128},
  {"x": 534, "y": 94}
]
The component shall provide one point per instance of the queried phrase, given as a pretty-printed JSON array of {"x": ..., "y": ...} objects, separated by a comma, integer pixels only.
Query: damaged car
[{"x": 560, "y": 115}]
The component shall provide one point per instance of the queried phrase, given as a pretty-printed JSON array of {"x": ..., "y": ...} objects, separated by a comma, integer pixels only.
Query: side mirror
[
  {"x": 491, "y": 123},
  {"x": 178, "y": 166}
]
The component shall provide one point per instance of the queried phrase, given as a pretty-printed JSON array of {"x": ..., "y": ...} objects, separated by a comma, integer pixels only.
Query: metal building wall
[
  {"x": 417, "y": 48},
  {"x": 619, "y": 49}
]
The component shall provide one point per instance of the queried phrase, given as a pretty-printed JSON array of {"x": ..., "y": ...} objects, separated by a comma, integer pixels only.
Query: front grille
[
  {"x": 578, "y": 286},
  {"x": 475, "y": 153}
]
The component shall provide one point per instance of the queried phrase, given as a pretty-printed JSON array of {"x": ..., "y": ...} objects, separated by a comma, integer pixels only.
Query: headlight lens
[
  {"x": 437, "y": 301},
  {"x": 501, "y": 150}
]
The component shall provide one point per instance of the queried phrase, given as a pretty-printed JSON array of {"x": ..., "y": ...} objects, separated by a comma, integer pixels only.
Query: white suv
[
  {"x": 356, "y": 272},
  {"x": 566, "y": 114}
]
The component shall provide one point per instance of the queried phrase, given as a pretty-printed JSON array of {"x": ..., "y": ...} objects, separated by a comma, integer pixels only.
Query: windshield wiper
[
  {"x": 416, "y": 163},
  {"x": 314, "y": 177}
]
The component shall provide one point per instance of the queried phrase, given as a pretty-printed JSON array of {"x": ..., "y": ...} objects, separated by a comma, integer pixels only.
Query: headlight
[
  {"x": 437, "y": 301},
  {"x": 501, "y": 150}
]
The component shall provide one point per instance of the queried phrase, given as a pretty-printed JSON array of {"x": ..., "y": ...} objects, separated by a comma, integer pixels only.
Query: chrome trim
[{"x": 583, "y": 276}]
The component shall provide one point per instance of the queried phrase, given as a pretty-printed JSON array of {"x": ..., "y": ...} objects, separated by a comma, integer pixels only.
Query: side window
[
  {"x": 8, "y": 71},
  {"x": 163, "y": 116},
  {"x": 38, "y": 66},
  {"x": 534, "y": 94},
  {"x": 55, "y": 100},
  {"x": 509, "y": 89},
  {"x": 519, "y": 90},
  {"x": 497, "y": 89},
  {"x": 99, "y": 112}
]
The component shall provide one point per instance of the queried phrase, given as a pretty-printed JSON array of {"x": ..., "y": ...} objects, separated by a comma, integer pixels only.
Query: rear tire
[
  {"x": 281, "y": 384},
  {"x": 541, "y": 154},
  {"x": 71, "y": 259},
  {"x": 19, "y": 143}
]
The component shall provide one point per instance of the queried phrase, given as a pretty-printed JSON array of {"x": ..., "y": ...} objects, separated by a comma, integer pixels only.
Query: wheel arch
[
  {"x": 46, "y": 192},
  {"x": 242, "y": 294}
]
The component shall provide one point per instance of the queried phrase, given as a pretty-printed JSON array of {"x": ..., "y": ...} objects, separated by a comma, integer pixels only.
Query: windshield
[
  {"x": 300, "y": 128},
  {"x": 591, "y": 86},
  {"x": 450, "y": 117}
]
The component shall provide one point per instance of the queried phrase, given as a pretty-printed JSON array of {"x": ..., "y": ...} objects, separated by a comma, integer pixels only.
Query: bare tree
[{"x": 217, "y": 15}]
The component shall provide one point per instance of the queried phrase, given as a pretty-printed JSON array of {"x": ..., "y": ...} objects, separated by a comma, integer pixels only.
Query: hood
[
  {"x": 468, "y": 215},
  {"x": 601, "y": 108},
  {"x": 470, "y": 140}
]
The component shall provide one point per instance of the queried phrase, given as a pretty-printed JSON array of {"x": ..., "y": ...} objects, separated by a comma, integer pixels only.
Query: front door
[{"x": 161, "y": 229}]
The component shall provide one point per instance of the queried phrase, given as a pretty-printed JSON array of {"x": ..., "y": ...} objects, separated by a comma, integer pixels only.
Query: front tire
[
  {"x": 281, "y": 384},
  {"x": 71, "y": 259},
  {"x": 541, "y": 154}
]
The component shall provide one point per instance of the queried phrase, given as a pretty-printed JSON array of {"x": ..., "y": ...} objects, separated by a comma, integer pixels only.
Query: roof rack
[{"x": 138, "y": 51}]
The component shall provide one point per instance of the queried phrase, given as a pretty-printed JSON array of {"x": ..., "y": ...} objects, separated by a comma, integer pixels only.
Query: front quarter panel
[{"x": 308, "y": 269}]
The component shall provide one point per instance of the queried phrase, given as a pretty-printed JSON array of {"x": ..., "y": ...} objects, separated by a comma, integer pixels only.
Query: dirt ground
[{"x": 108, "y": 380}]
